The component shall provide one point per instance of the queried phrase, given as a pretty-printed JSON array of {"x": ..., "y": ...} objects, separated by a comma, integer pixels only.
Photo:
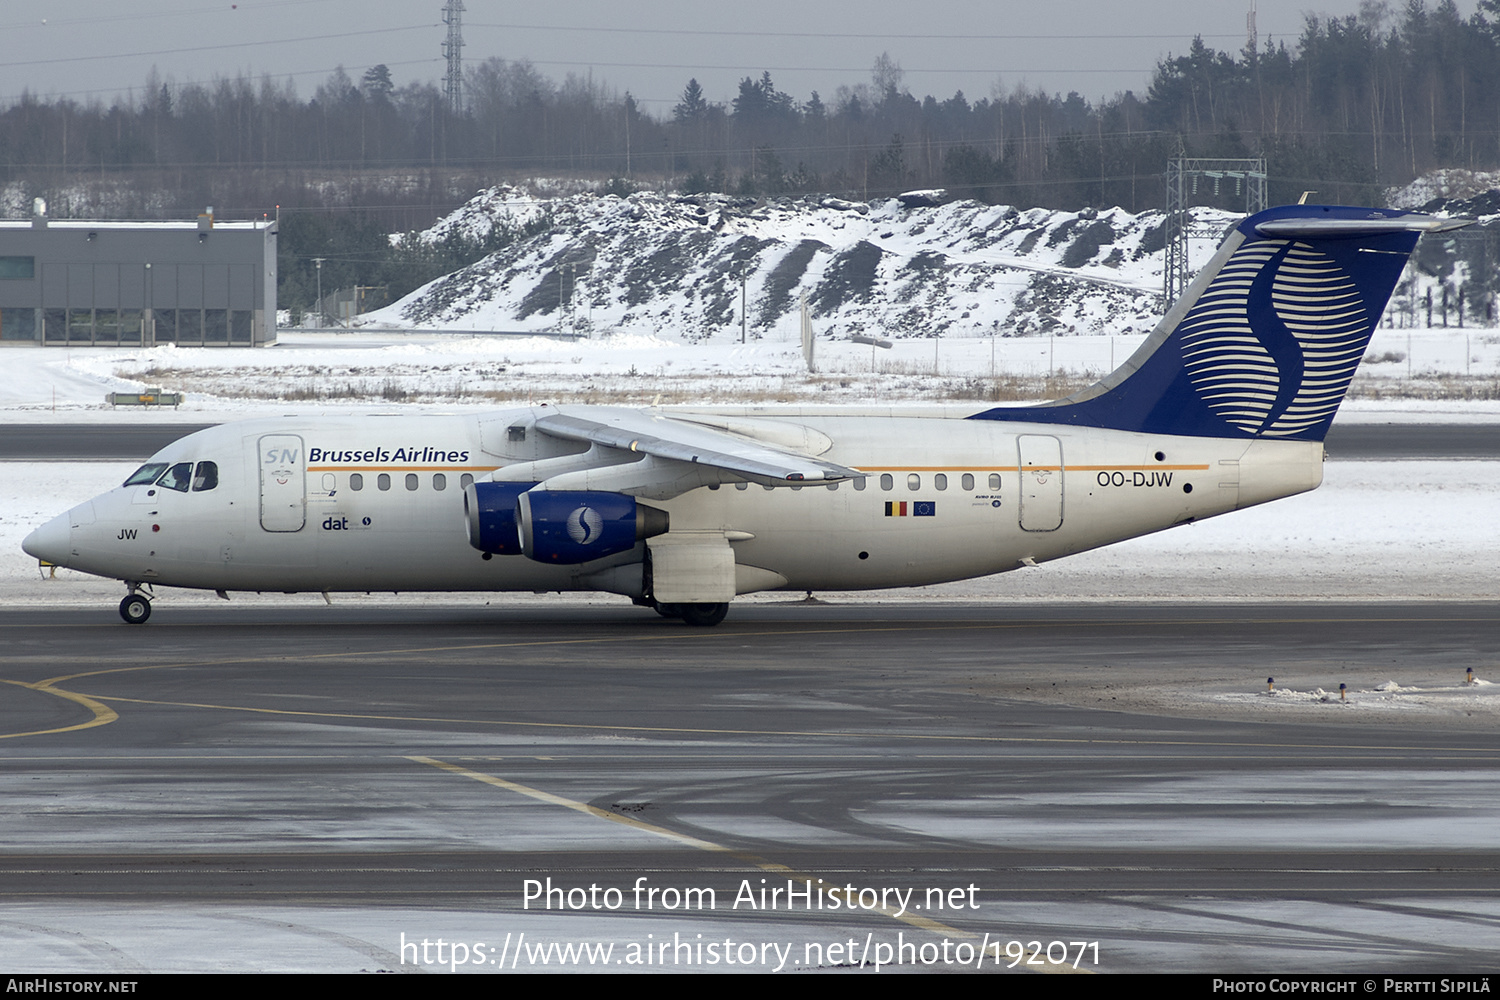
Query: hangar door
[{"x": 1041, "y": 469}]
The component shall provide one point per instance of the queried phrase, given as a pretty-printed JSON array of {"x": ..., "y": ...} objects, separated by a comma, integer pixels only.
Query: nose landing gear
[{"x": 135, "y": 609}]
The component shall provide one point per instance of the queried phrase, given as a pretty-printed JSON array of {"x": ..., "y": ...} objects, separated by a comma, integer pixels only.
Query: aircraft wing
[{"x": 681, "y": 452}]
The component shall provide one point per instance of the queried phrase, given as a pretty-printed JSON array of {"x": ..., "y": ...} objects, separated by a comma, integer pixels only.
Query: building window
[
  {"x": 17, "y": 268},
  {"x": 17, "y": 324},
  {"x": 189, "y": 326},
  {"x": 55, "y": 325},
  {"x": 216, "y": 326},
  {"x": 164, "y": 325},
  {"x": 106, "y": 326},
  {"x": 130, "y": 326},
  {"x": 80, "y": 326}
]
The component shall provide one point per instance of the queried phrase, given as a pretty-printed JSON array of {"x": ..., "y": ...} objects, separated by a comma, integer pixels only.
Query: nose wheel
[{"x": 135, "y": 609}]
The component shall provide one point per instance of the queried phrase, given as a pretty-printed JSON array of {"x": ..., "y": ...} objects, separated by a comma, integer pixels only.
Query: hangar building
[{"x": 71, "y": 283}]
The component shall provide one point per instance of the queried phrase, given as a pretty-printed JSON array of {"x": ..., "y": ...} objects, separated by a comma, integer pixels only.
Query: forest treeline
[{"x": 1354, "y": 103}]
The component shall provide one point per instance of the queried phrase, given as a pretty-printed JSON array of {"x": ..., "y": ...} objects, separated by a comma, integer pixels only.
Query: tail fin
[{"x": 1268, "y": 336}]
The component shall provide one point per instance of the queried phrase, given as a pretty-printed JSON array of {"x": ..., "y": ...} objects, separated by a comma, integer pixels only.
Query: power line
[
  {"x": 895, "y": 35},
  {"x": 133, "y": 16},
  {"x": 212, "y": 48}
]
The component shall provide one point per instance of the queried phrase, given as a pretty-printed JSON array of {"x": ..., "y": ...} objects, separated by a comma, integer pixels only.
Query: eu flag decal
[
  {"x": 924, "y": 508},
  {"x": 914, "y": 508}
]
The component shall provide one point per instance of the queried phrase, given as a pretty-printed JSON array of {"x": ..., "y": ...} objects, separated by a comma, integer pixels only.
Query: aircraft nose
[{"x": 52, "y": 541}]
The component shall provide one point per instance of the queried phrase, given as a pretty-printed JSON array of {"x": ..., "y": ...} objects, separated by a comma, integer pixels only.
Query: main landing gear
[
  {"x": 135, "y": 609},
  {"x": 698, "y": 615}
]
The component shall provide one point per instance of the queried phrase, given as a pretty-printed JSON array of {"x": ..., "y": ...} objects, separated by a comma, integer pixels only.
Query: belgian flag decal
[{"x": 914, "y": 508}]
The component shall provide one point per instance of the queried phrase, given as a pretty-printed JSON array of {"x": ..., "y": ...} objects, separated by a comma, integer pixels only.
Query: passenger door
[
  {"x": 1041, "y": 468},
  {"x": 283, "y": 482}
]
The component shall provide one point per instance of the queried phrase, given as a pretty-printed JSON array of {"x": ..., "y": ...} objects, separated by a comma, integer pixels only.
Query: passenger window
[
  {"x": 383, "y": 481},
  {"x": 330, "y": 481},
  {"x": 439, "y": 481},
  {"x": 968, "y": 480},
  {"x": 465, "y": 480},
  {"x": 411, "y": 480},
  {"x": 146, "y": 474},
  {"x": 994, "y": 480},
  {"x": 859, "y": 484},
  {"x": 886, "y": 482},
  {"x": 356, "y": 482},
  {"x": 206, "y": 477},
  {"x": 833, "y": 486},
  {"x": 742, "y": 486},
  {"x": 177, "y": 477},
  {"x": 940, "y": 481},
  {"x": 914, "y": 482}
]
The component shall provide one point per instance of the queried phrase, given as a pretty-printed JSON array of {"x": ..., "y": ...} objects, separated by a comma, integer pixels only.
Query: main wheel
[
  {"x": 702, "y": 615},
  {"x": 135, "y": 609}
]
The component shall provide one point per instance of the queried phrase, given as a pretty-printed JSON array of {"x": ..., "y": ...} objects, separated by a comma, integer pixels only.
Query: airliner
[{"x": 682, "y": 509}]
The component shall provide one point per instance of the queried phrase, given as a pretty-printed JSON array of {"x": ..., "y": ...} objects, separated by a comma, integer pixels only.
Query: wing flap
[{"x": 694, "y": 444}]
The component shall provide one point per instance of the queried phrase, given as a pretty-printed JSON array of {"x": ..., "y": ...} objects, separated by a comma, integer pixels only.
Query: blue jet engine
[
  {"x": 557, "y": 526},
  {"x": 490, "y": 509}
]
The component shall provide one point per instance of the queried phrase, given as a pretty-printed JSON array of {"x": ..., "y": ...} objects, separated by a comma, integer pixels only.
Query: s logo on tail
[{"x": 1267, "y": 339}]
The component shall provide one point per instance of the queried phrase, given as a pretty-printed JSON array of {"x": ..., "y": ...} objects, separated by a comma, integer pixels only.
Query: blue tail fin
[{"x": 1268, "y": 336}]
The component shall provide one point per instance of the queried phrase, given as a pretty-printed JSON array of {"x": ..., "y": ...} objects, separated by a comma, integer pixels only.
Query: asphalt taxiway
[
  {"x": 126, "y": 440},
  {"x": 297, "y": 787}
]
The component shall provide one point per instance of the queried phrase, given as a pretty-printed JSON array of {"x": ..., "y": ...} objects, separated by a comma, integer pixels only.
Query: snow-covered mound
[
  {"x": 1443, "y": 185},
  {"x": 654, "y": 263}
]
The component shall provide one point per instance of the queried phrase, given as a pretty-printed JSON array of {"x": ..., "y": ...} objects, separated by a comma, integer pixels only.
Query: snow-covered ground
[{"x": 1419, "y": 370}]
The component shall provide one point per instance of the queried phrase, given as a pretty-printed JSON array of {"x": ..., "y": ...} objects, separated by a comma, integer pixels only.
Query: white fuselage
[{"x": 944, "y": 499}]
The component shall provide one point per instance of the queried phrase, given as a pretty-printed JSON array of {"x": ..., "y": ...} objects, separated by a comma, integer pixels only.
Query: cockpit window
[
  {"x": 206, "y": 477},
  {"x": 146, "y": 474},
  {"x": 177, "y": 477}
]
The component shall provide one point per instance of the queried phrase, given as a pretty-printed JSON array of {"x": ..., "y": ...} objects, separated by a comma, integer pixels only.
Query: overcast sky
[{"x": 89, "y": 49}]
